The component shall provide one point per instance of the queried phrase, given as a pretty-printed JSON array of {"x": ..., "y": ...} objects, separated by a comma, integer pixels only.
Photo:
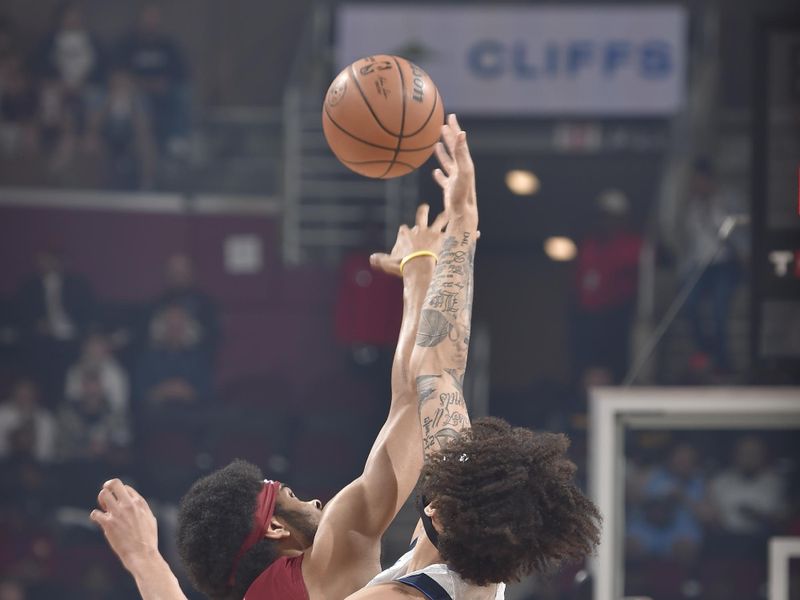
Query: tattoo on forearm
[
  {"x": 448, "y": 304},
  {"x": 442, "y": 421},
  {"x": 426, "y": 387},
  {"x": 446, "y": 318},
  {"x": 458, "y": 379},
  {"x": 434, "y": 328}
]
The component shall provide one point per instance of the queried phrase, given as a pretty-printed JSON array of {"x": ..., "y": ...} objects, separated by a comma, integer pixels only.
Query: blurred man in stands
[
  {"x": 18, "y": 103},
  {"x": 96, "y": 357},
  {"x": 22, "y": 412},
  {"x": 369, "y": 307},
  {"x": 669, "y": 509},
  {"x": 157, "y": 62},
  {"x": 89, "y": 429},
  {"x": 121, "y": 126},
  {"x": 54, "y": 308},
  {"x": 606, "y": 285},
  {"x": 70, "y": 62},
  {"x": 175, "y": 370},
  {"x": 705, "y": 210},
  {"x": 181, "y": 289},
  {"x": 749, "y": 495}
]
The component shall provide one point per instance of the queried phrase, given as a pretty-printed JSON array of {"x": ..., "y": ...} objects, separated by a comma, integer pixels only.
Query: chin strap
[{"x": 427, "y": 523}]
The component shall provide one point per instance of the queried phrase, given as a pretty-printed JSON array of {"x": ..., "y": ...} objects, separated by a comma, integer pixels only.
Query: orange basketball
[{"x": 382, "y": 116}]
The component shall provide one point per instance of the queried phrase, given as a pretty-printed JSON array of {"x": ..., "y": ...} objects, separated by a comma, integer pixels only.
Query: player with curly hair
[{"x": 496, "y": 502}]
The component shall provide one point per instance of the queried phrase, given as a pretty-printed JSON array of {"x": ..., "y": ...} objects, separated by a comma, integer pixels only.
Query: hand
[
  {"x": 457, "y": 175},
  {"x": 421, "y": 237},
  {"x": 128, "y": 524}
]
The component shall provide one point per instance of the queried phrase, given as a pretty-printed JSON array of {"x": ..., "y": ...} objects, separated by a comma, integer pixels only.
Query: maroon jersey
[{"x": 282, "y": 580}]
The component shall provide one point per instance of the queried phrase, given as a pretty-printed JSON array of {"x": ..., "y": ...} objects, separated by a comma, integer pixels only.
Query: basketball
[{"x": 382, "y": 116}]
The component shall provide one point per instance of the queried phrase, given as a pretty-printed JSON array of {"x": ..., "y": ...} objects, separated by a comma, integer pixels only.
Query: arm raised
[
  {"x": 130, "y": 528},
  {"x": 354, "y": 521},
  {"x": 439, "y": 358}
]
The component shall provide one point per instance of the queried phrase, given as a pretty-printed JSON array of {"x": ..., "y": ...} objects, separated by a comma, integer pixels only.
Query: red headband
[{"x": 265, "y": 508}]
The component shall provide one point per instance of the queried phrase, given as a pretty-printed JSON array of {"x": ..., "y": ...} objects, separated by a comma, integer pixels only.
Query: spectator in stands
[
  {"x": 369, "y": 305},
  {"x": 12, "y": 590},
  {"x": 70, "y": 52},
  {"x": 54, "y": 308},
  {"x": 89, "y": 428},
  {"x": 705, "y": 210},
  {"x": 18, "y": 103},
  {"x": 26, "y": 428},
  {"x": 181, "y": 289},
  {"x": 750, "y": 496},
  {"x": 122, "y": 127},
  {"x": 605, "y": 289},
  {"x": 96, "y": 357},
  {"x": 175, "y": 369},
  {"x": 669, "y": 509},
  {"x": 157, "y": 61},
  {"x": 70, "y": 63},
  {"x": 18, "y": 97}
]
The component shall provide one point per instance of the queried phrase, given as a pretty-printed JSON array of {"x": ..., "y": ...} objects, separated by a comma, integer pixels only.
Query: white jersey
[{"x": 438, "y": 582}]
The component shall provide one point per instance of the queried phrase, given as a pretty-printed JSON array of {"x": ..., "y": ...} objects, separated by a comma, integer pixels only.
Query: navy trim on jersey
[{"x": 426, "y": 585}]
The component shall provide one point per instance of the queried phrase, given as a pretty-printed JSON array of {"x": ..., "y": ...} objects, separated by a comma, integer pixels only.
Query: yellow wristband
[{"x": 417, "y": 254}]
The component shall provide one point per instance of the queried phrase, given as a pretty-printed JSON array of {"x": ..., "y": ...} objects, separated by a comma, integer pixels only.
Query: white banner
[{"x": 585, "y": 60}]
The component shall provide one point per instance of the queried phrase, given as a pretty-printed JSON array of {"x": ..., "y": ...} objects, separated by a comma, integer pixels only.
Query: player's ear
[
  {"x": 430, "y": 511},
  {"x": 276, "y": 530}
]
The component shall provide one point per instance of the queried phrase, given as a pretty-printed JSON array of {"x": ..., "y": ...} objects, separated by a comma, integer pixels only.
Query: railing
[{"x": 691, "y": 131}]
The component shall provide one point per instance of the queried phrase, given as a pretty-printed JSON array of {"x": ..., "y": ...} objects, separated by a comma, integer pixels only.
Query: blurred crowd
[
  {"x": 88, "y": 394},
  {"x": 700, "y": 509},
  {"x": 711, "y": 267},
  {"x": 76, "y": 111},
  {"x": 94, "y": 388}
]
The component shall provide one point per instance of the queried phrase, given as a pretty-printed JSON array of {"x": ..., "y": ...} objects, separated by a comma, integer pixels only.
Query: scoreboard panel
[{"x": 775, "y": 343}]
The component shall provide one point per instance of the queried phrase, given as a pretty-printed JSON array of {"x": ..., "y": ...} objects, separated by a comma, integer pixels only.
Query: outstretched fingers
[
  {"x": 463, "y": 157},
  {"x": 444, "y": 158},
  {"x": 440, "y": 222},
  {"x": 440, "y": 178},
  {"x": 423, "y": 210},
  {"x": 449, "y": 132}
]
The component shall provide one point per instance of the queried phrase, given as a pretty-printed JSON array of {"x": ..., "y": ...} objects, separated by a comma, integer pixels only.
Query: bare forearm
[
  {"x": 393, "y": 465},
  {"x": 155, "y": 580},
  {"x": 416, "y": 279}
]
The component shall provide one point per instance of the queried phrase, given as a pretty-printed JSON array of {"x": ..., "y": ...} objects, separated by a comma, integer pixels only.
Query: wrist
[
  {"x": 145, "y": 563},
  {"x": 467, "y": 219},
  {"x": 420, "y": 268}
]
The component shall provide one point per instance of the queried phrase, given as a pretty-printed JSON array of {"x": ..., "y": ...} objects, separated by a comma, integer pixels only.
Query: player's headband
[{"x": 265, "y": 508}]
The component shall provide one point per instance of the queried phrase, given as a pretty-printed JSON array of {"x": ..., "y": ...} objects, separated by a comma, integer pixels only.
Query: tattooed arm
[
  {"x": 346, "y": 550},
  {"x": 439, "y": 358}
]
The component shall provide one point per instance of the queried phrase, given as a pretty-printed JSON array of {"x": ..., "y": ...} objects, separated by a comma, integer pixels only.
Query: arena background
[{"x": 177, "y": 183}]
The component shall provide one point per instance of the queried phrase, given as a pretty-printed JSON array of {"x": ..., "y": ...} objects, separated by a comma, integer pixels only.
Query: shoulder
[
  {"x": 388, "y": 591},
  {"x": 284, "y": 578}
]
